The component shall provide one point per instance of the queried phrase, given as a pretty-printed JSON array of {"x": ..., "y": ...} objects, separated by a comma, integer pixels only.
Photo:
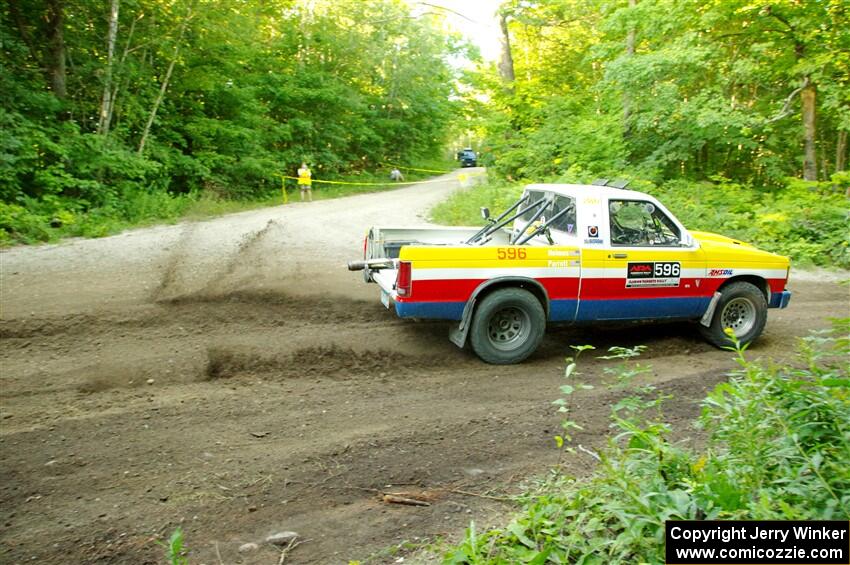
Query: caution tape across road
[
  {"x": 421, "y": 170},
  {"x": 461, "y": 177}
]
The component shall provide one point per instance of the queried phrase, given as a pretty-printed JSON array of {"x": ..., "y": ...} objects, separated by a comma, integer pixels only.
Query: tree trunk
[
  {"x": 810, "y": 167},
  {"x": 56, "y": 47},
  {"x": 23, "y": 31},
  {"x": 506, "y": 64},
  {"x": 106, "y": 101},
  {"x": 164, "y": 86},
  {"x": 841, "y": 151},
  {"x": 627, "y": 106},
  {"x": 118, "y": 87}
]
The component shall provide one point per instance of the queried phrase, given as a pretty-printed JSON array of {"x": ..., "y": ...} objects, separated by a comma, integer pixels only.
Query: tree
[
  {"x": 694, "y": 87},
  {"x": 106, "y": 102},
  {"x": 164, "y": 84},
  {"x": 212, "y": 95},
  {"x": 506, "y": 63}
]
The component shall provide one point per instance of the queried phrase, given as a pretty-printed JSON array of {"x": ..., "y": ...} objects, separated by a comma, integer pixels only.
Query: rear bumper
[
  {"x": 780, "y": 299},
  {"x": 430, "y": 310}
]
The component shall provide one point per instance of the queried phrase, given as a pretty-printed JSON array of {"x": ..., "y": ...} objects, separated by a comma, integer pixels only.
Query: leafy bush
[
  {"x": 778, "y": 448},
  {"x": 19, "y": 224}
]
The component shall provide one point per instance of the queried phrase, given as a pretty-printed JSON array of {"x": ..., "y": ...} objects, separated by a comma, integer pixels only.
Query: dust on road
[{"x": 232, "y": 377}]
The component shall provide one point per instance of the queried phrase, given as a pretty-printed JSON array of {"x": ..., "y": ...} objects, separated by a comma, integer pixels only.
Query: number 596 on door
[{"x": 510, "y": 253}]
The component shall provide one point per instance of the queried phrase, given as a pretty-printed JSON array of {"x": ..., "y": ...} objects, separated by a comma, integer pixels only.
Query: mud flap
[
  {"x": 457, "y": 335},
  {"x": 709, "y": 312}
]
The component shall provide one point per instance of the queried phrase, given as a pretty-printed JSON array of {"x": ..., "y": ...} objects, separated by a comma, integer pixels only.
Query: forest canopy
[
  {"x": 104, "y": 100},
  {"x": 123, "y": 111},
  {"x": 751, "y": 91}
]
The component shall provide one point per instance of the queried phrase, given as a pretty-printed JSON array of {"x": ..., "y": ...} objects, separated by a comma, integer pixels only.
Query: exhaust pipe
[{"x": 371, "y": 264}]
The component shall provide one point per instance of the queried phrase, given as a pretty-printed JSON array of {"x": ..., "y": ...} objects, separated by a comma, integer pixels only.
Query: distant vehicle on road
[{"x": 467, "y": 158}]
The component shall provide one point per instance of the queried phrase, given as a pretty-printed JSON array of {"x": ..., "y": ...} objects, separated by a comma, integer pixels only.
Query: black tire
[
  {"x": 742, "y": 307},
  {"x": 507, "y": 326}
]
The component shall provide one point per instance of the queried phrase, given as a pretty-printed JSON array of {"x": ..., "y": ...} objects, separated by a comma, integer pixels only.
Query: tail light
[
  {"x": 404, "y": 282},
  {"x": 365, "y": 245}
]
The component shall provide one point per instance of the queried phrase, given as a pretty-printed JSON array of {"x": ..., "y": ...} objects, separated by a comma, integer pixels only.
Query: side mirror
[
  {"x": 687, "y": 240},
  {"x": 485, "y": 212}
]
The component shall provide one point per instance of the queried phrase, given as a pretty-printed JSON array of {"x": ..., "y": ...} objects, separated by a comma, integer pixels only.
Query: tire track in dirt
[
  {"x": 323, "y": 489},
  {"x": 175, "y": 259},
  {"x": 246, "y": 255},
  {"x": 197, "y": 310},
  {"x": 340, "y": 362}
]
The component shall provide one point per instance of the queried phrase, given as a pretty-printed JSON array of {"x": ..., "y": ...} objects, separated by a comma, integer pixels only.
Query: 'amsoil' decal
[
  {"x": 720, "y": 272},
  {"x": 653, "y": 274}
]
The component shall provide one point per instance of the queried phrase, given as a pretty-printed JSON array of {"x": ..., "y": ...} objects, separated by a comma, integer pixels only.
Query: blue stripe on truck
[
  {"x": 642, "y": 308},
  {"x": 562, "y": 310},
  {"x": 565, "y": 310}
]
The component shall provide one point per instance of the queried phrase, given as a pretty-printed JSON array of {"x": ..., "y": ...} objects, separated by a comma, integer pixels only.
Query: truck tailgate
[{"x": 386, "y": 279}]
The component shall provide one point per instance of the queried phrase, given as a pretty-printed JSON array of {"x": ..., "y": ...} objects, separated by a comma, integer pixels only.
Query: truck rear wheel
[
  {"x": 507, "y": 327},
  {"x": 743, "y": 308}
]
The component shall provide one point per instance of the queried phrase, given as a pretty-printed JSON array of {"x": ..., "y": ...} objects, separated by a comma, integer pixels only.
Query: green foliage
[
  {"x": 668, "y": 88},
  {"x": 253, "y": 89},
  {"x": 175, "y": 550},
  {"x": 50, "y": 218},
  {"x": 778, "y": 448},
  {"x": 563, "y": 403},
  {"x": 463, "y": 208}
]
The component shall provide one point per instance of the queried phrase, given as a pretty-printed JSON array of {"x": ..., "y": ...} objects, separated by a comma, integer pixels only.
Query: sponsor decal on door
[{"x": 648, "y": 274}]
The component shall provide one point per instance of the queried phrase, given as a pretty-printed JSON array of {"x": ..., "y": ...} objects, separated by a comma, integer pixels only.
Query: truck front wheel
[
  {"x": 507, "y": 327},
  {"x": 742, "y": 308}
]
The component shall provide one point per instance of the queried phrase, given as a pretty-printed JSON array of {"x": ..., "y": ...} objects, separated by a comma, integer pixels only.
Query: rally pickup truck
[{"x": 575, "y": 254}]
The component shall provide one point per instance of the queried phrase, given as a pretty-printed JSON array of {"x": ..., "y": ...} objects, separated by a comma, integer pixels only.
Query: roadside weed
[
  {"x": 563, "y": 403},
  {"x": 778, "y": 447},
  {"x": 175, "y": 549}
]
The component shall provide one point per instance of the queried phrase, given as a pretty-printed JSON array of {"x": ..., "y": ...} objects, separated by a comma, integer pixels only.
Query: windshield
[{"x": 641, "y": 223}]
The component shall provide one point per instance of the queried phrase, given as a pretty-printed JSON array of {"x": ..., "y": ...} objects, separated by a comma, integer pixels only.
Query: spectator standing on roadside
[
  {"x": 305, "y": 182},
  {"x": 396, "y": 175}
]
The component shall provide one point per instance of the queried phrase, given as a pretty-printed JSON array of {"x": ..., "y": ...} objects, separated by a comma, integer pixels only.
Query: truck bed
[{"x": 385, "y": 242}]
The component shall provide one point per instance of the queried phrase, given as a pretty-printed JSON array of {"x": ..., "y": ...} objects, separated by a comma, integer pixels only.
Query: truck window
[
  {"x": 640, "y": 223},
  {"x": 567, "y": 222},
  {"x": 533, "y": 198}
]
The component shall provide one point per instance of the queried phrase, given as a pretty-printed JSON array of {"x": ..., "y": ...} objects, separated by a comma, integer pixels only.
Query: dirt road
[{"x": 230, "y": 376}]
